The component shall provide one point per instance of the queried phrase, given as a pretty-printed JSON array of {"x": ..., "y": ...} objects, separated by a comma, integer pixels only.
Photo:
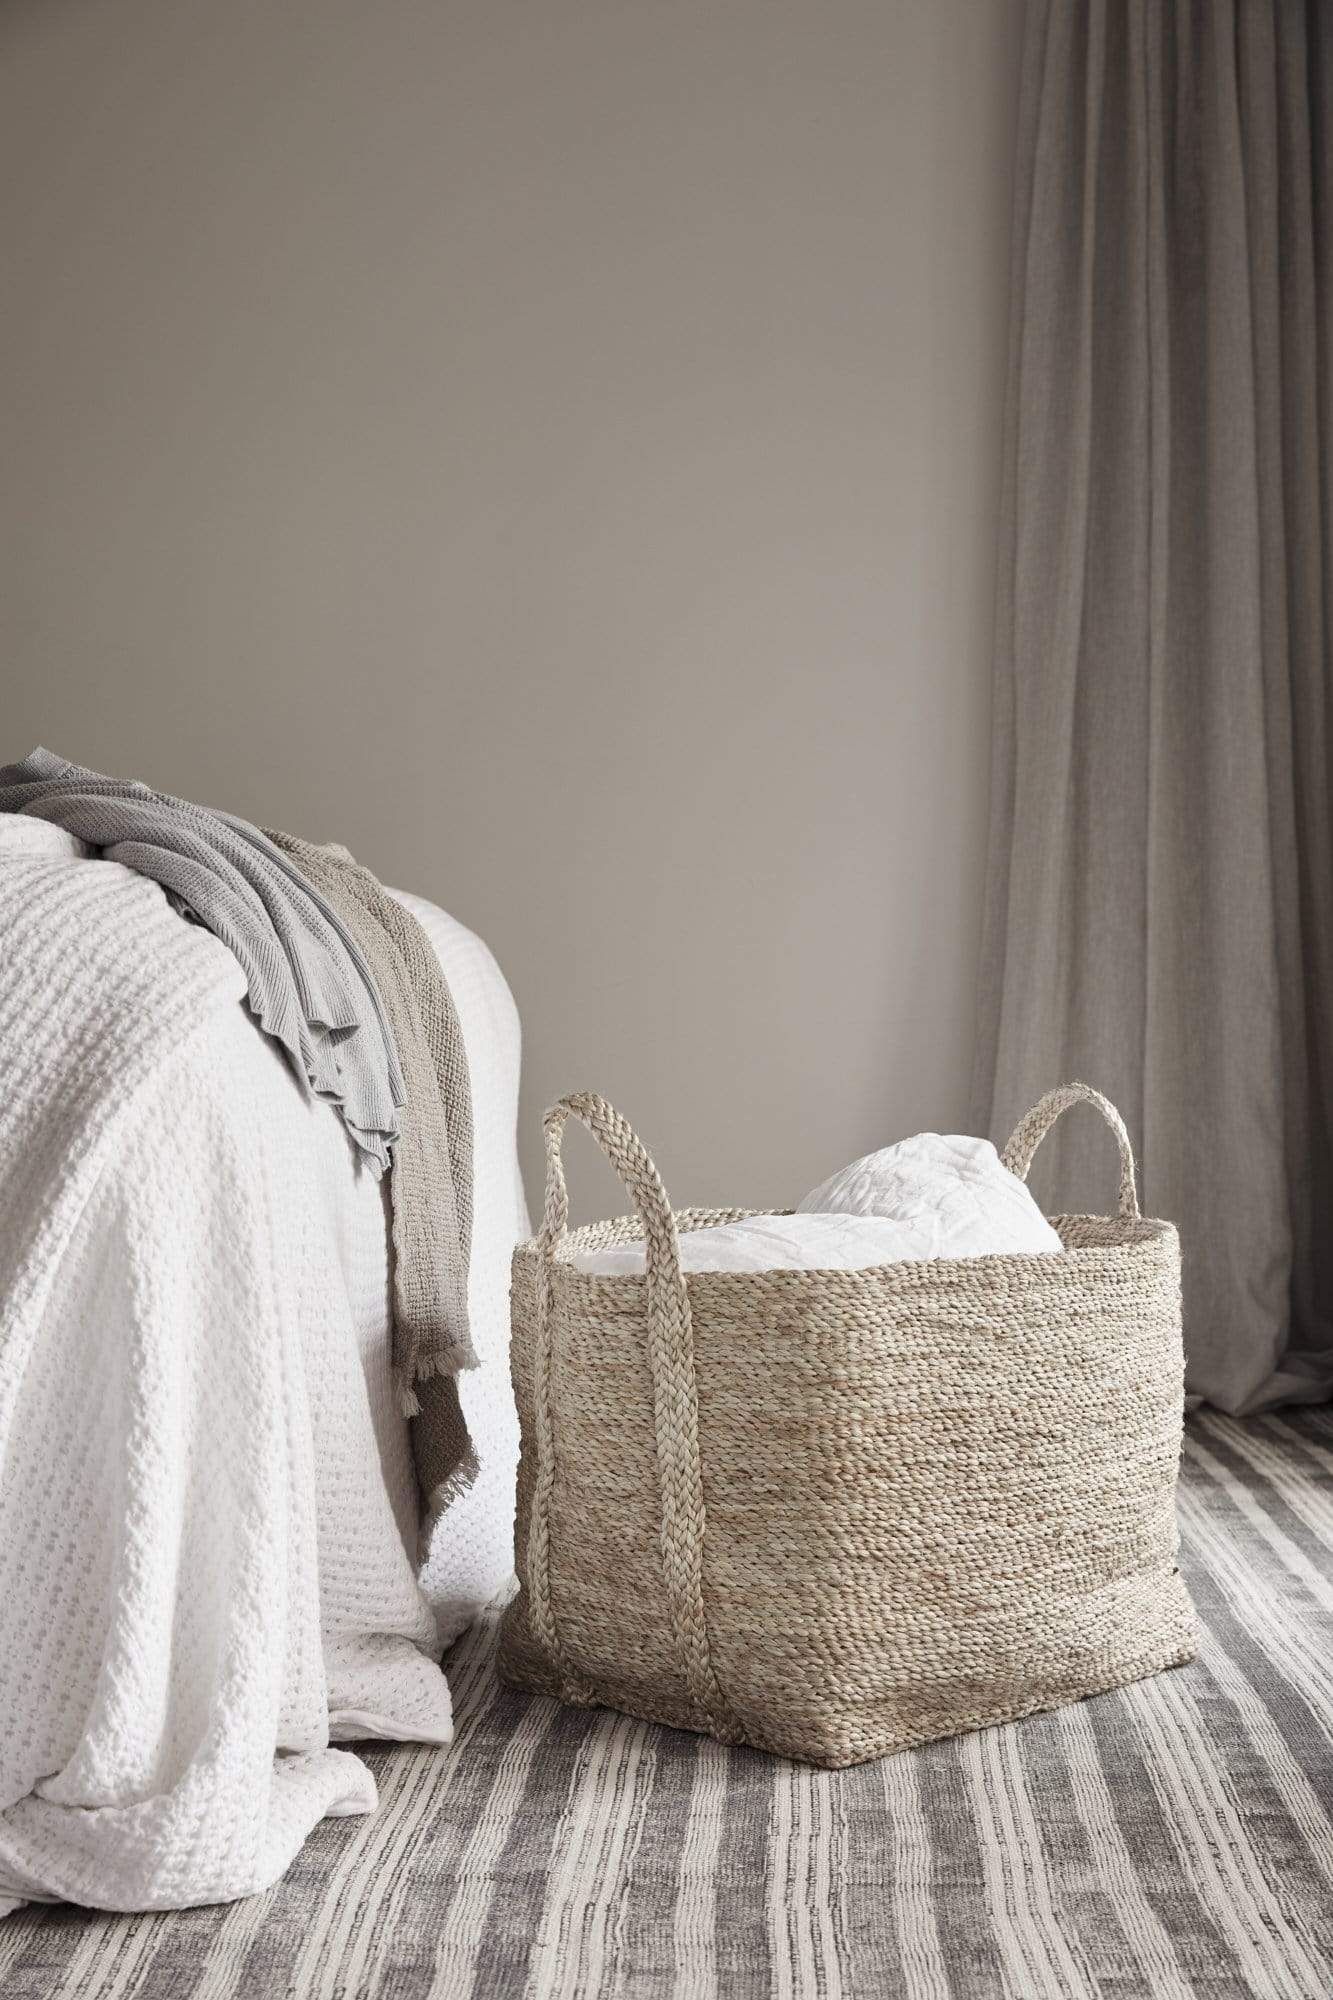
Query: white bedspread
[{"x": 207, "y": 1516}]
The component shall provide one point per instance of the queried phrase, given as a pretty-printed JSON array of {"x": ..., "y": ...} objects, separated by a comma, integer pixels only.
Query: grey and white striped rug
[{"x": 1171, "y": 1839}]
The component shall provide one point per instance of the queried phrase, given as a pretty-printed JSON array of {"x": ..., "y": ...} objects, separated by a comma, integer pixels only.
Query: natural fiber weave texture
[{"x": 834, "y": 1514}]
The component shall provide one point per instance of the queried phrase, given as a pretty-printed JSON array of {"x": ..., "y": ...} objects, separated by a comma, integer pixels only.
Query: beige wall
[{"x": 552, "y": 447}]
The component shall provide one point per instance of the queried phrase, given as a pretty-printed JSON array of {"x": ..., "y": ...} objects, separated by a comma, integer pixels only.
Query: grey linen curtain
[{"x": 1160, "y": 896}]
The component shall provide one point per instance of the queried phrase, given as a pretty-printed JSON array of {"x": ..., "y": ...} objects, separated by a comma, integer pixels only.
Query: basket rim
[{"x": 1144, "y": 1234}]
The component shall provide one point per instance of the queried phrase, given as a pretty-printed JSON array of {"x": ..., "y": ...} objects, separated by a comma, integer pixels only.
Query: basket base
[{"x": 521, "y": 1665}]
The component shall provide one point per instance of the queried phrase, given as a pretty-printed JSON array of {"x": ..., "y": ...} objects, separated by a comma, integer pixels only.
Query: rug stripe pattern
[{"x": 1173, "y": 1840}]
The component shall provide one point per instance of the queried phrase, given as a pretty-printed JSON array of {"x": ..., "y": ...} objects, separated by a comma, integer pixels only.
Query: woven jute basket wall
[{"x": 837, "y": 1513}]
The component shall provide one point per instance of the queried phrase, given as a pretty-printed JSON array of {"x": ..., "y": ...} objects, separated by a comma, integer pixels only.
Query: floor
[{"x": 1172, "y": 1839}]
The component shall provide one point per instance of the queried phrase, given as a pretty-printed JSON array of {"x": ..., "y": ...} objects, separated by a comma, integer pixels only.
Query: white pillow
[
  {"x": 954, "y": 1194},
  {"x": 925, "y": 1197}
]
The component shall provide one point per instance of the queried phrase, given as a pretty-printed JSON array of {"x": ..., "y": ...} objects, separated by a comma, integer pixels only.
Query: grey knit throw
[{"x": 308, "y": 983}]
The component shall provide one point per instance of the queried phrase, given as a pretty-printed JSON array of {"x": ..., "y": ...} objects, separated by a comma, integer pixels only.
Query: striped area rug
[{"x": 1170, "y": 1839}]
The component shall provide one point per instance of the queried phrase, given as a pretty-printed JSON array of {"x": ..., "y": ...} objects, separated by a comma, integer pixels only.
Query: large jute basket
[{"x": 837, "y": 1513}]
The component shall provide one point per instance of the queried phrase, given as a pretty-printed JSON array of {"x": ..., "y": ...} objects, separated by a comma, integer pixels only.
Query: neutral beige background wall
[{"x": 553, "y": 448}]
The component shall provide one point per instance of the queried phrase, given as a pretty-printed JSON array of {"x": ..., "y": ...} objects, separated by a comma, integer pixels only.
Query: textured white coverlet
[{"x": 207, "y": 1514}]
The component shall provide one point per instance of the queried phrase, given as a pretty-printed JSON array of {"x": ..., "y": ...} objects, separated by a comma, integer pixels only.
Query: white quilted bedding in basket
[
  {"x": 207, "y": 1512},
  {"x": 934, "y": 1195}
]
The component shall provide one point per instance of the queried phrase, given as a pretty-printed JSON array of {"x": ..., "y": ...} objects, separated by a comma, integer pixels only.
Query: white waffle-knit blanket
[{"x": 207, "y": 1553}]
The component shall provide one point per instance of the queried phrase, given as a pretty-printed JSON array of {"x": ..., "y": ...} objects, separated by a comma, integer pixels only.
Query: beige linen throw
[{"x": 431, "y": 1180}]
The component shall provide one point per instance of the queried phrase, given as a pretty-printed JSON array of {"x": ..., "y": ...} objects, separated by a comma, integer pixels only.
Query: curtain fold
[{"x": 1159, "y": 914}]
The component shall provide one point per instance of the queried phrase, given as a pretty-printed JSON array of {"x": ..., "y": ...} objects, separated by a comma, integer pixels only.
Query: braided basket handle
[
  {"x": 670, "y": 1332},
  {"x": 1028, "y": 1134},
  {"x": 632, "y": 1162}
]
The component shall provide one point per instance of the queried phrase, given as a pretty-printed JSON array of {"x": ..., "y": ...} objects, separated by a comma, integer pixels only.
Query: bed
[{"x": 209, "y": 1568}]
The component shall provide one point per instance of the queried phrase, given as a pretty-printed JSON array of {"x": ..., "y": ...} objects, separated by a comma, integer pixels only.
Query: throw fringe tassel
[{"x": 453, "y": 1361}]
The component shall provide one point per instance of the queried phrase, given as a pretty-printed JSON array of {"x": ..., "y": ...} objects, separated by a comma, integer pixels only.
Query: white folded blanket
[
  {"x": 951, "y": 1196},
  {"x": 929, "y": 1196}
]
